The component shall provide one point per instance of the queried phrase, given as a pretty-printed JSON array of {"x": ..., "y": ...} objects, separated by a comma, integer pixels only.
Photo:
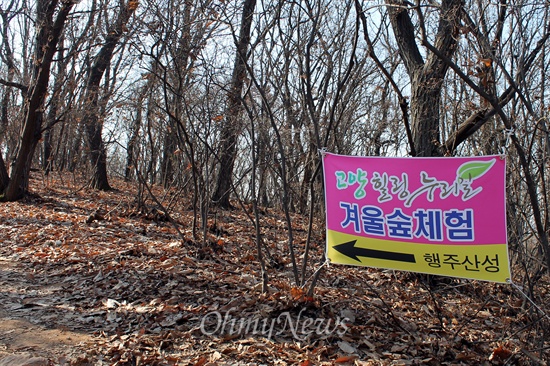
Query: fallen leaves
[
  {"x": 345, "y": 359},
  {"x": 501, "y": 355},
  {"x": 89, "y": 262}
]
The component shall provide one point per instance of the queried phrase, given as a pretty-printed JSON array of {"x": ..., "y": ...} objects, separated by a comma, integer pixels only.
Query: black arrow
[{"x": 350, "y": 250}]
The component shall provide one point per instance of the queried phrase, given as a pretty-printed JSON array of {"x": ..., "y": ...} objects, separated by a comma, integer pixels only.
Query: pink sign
[{"x": 443, "y": 202}]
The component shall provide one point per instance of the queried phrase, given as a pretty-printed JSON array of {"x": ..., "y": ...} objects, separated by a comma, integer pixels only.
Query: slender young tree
[
  {"x": 52, "y": 116},
  {"x": 92, "y": 120},
  {"x": 6, "y": 55},
  {"x": 233, "y": 124}
]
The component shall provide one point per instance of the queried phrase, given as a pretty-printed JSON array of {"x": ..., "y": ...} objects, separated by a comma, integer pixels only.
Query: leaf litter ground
[{"x": 88, "y": 279}]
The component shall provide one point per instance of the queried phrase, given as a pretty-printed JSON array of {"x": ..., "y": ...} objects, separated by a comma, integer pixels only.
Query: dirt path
[{"x": 30, "y": 323}]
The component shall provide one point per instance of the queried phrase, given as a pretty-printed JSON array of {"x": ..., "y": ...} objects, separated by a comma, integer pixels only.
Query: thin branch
[
  {"x": 175, "y": 225},
  {"x": 403, "y": 104},
  {"x": 13, "y": 84}
]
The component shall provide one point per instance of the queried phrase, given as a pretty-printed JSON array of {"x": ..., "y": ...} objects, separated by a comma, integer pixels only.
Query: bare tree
[
  {"x": 92, "y": 120},
  {"x": 53, "y": 111},
  {"x": 426, "y": 73},
  {"x": 491, "y": 79},
  {"x": 6, "y": 54},
  {"x": 233, "y": 114},
  {"x": 51, "y": 18}
]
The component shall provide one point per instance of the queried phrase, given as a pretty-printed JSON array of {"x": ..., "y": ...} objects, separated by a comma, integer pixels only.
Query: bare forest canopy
[{"x": 229, "y": 102}]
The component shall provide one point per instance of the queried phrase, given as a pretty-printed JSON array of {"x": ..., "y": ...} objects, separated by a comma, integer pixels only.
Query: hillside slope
[{"x": 88, "y": 278}]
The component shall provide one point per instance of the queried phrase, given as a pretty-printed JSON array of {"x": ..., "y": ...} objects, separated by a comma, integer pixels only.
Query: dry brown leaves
[{"x": 88, "y": 262}]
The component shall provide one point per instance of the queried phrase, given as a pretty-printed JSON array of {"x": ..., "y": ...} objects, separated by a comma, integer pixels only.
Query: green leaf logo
[{"x": 474, "y": 169}]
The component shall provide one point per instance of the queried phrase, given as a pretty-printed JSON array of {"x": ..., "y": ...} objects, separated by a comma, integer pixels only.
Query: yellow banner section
[{"x": 481, "y": 262}]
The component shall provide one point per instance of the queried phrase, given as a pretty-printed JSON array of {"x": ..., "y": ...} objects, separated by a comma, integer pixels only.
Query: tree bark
[
  {"x": 51, "y": 119},
  {"x": 131, "y": 156},
  {"x": 426, "y": 75},
  {"x": 4, "y": 119},
  {"x": 167, "y": 163},
  {"x": 4, "y": 177},
  {"x": 233, "y": 125},
  {"x": 47, "y": 38},
  {"x": 92, "y": 120}
]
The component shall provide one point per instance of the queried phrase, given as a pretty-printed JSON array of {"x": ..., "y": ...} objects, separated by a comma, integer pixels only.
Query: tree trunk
[
  {"x": 4, "y": 177},
  {"x": 4, "y": 118},
  {"x": 74, "y": 148},
  {"x": 92, "y": 120},
  {"x": 424, "y": 107},
  {"x": 47, "y": 38},
  {"x": 47, "y": 151},
  {"x": 233, "y": 124},
  {"x": 167, "y": 163},
  {"x": 47, "y": 160},
  {"x": 426, "y": 75},
  {"x": 131, "y": 158},
  {"x": 98, "y": 155},
  {"x": 228, "y": 153}
]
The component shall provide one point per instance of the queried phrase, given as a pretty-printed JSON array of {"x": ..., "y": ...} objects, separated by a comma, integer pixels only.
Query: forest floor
[{"x": 87, "y": 278}]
